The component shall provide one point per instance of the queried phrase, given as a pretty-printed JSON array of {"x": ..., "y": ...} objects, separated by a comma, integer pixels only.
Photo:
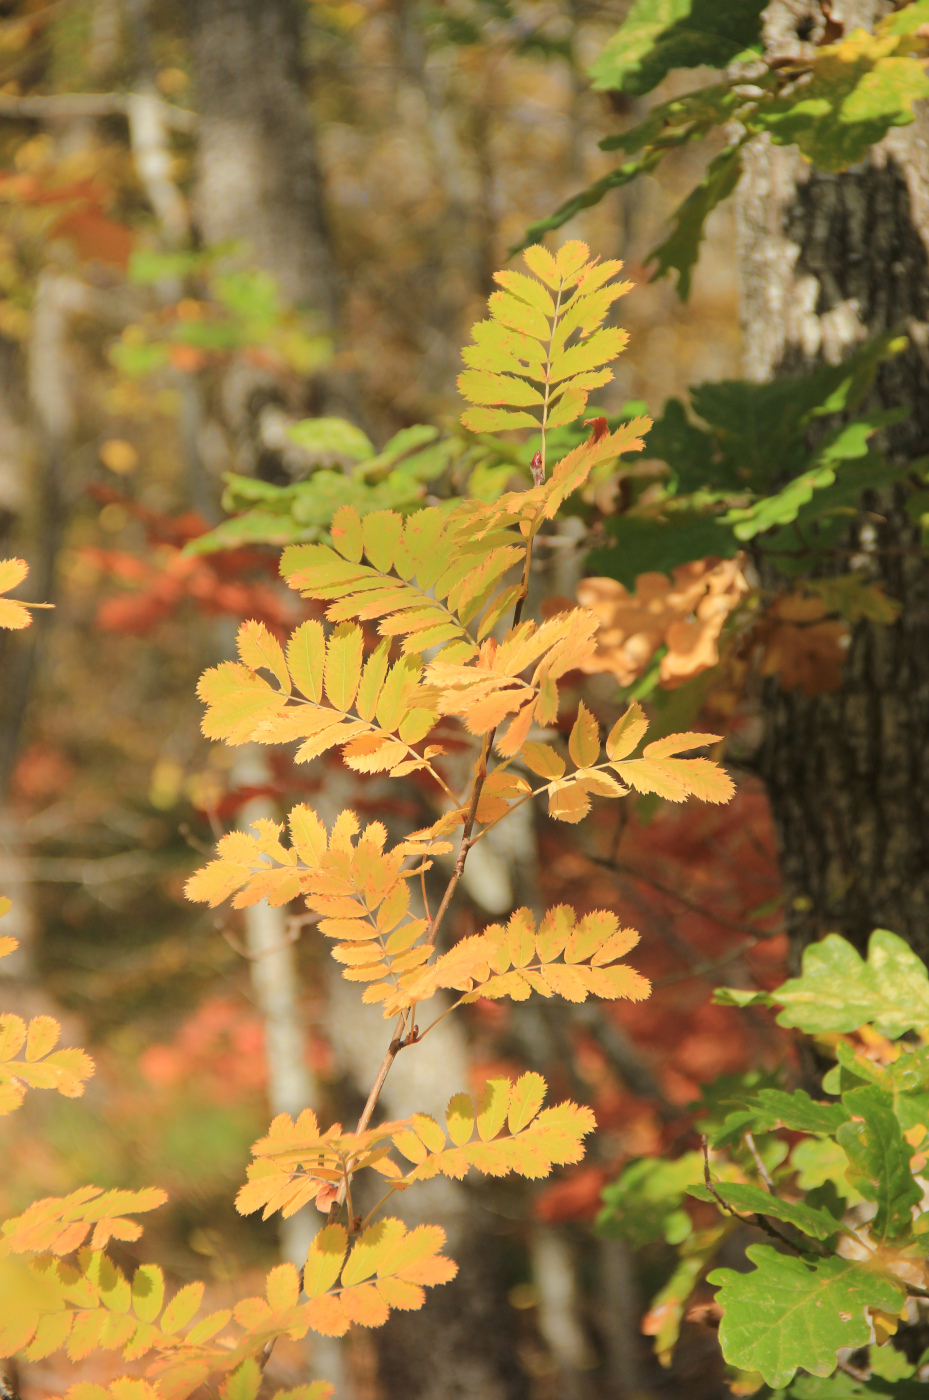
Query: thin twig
[
  {"x": 754, "y": 1218},
  {"x": 376, "y": 1207},
  {"x": 759, "y": 1164},
  {"x": 294, "y": 927},
  {"x": 705, "y": 968},
  {"x": 465, "y": 846},
  {"x": 393, "y": 1050},
  {"x": 723, "y": 920},
  {"x": 851, "y": 1370}
]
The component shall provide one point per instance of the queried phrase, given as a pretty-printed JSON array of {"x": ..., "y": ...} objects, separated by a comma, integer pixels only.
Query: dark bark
[
  {"x": 829, "y": 260},
  {"x": 258, "y": 179}
]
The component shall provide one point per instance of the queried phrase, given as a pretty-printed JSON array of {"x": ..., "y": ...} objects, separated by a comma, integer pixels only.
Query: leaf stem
[
  {"x": 754, "y": 1218},
  {"x": 393, "y": 1050},
  {"x": 479, "y": 779}
]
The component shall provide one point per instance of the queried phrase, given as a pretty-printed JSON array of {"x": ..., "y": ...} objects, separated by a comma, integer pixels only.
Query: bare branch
[{"x": 74, "y": 105}]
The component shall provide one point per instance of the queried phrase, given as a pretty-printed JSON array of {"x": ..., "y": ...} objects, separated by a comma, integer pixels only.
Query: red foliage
[{"x": 219, "y": 1050}]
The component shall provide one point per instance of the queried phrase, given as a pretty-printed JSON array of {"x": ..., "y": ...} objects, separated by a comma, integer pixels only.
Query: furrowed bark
[{"x": 827, "y": 261}]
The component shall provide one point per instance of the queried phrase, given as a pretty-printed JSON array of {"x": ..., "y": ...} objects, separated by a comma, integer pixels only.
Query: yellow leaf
[
  {"x": 584, "y": 739},
  {"x": 493, "y": 1108},
  {"x": 236, "y": 701},
  {"x": 540, "y": 261},
  {"x": 308, "y": 834},
  {"x": 626, "y": 732},
  {"x": 520, "y": 937},
  {"x": 306, "y": 658},
  {"x": 480, "y": 386},
  {"x": 518, "y": 316},
  {"x": 283, "y": 1287},
  {"x": 542, "y": 759},
  {"x": 14, "y": 615},
  {"x": 12, "y": 573},
  {"x": 572, "y": 257},
  {"x": 496, "y": 420},
  {"x": 459, "y": 1119},
  {"x": 43, "y": 1035},
  {"x": 567, "y": 801},
  {"x": 381, "y": 530},
  {"x": 566, "y": 981},
  {"x": 525, "y": 1101},
  {"x": 343, "y": 665},
  {"x": 678, "y": 778},
  {"x": 678, "y": 743},
  {"x": 527, "y": 289},
  {"x": 554, "y": 931},
  {"x": 372, "y": 680},
  {"x": 345, "y": 532},
  {"x": 258, "y": 648}
]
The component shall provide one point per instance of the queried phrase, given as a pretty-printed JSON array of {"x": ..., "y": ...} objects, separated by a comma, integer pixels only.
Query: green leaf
[
  {"x": 683, "y": 119},
  {"x": 838, "y": 991},
  {"x": 791, "y": 1313},
  {"x": 845, "y": 444},
  {"x": 821, "y": 1161},
  {"x": 659, "y": 35},
  {"x": 858, "y": 89},
  {"x": 880, "y": 1159},
  {"x": 644, "y": 544},
  {"x": 332, "y": 438},
  {"x": 682, "y": 248},
  {"x": 773, "y": 1108},
  {"x": 907, "y": 20},
  {"x": 759, "y": 431},
  {"x": 644, "y": 1204},
  {"x": 844, "y": 1387},
  {"x": 780, "y": 508},
  {"x": 739, "y": 996},
  {"x": 688, "y": 450},
  {"x": 746, "y": 1198}
]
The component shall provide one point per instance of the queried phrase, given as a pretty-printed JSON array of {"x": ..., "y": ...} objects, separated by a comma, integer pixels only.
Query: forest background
[{"x": 224, "y": 226}]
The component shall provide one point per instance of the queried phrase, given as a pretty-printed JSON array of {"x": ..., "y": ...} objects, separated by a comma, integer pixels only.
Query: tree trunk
[
  {"x": 258, "y": 180},
  {"x": 827, "y": 261}
]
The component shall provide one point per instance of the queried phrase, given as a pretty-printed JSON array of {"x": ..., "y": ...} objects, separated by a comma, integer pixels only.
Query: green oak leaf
[
  {"x": 680, "y": 120},
  {"x": 857, "y": 90},
  {"x": 658, "y": 35},
  {"x": 646, "y": 545},
  {"x": 748, "y": 1199},
  {"x": 880, "y": 1159},
  {"x": 792, "y": 1312},
  {"x": 844, "y": 1387},
  {"x": 839, "y": 991},
  {"x": 845, "y": 444},
  {"x": 773, "y": 1108}
]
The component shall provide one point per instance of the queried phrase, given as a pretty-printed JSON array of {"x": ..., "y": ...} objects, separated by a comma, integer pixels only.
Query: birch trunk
[
  {"x": 258, "y": 179},
  {"x": 827, "y": 261}
]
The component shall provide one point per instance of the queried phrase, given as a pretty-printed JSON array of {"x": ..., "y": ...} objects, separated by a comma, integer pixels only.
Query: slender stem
[
  {"x": 348, "y": 1201},
  {"x": 524, "y": 586},
  {"x": 754, "y": 1218},
  {"x": 393, "y": 1050},
  {"x": 375, "y": 1208},
  {"x": 479, "y": 779},
  {"x": 548, "y": 385},
  {"x": 759, "y": 1164}
]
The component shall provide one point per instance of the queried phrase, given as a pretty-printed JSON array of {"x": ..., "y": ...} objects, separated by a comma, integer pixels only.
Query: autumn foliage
[{"x": 421, "y": 636}]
